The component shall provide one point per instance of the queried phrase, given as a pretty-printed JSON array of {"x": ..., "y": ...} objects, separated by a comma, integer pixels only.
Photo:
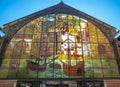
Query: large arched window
[{"x": 59, "y": 46}]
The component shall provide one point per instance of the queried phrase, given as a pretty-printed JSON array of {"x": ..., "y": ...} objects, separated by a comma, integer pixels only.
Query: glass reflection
[{"x": 60, "y": 46}]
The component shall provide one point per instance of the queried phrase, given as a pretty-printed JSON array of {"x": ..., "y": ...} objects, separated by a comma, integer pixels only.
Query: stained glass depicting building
[{"x": 59, "y": 43}]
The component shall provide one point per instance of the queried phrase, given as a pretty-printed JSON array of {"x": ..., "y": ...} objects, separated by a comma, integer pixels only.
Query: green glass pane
[
  {"x": 98, "y": 73},
  {"x": 107, "y": 73},
  {"x": 89, "y": 73},
  {"x": 3, "y": 72}
]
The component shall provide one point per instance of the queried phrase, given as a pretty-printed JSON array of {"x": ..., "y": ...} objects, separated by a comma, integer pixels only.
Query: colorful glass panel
[{"x": 59, "y": 46}]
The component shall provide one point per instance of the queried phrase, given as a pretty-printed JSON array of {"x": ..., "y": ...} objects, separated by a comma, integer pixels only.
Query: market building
[{"x": 59, "y": 46}]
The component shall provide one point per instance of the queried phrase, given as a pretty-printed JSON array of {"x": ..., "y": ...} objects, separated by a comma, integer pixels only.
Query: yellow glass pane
[
  {"x": 94, "y": 47},
  {"x": 93, "y": 39}
]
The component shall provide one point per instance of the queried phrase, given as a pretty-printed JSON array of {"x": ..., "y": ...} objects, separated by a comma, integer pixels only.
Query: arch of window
[{"x": 59, "y": 46}]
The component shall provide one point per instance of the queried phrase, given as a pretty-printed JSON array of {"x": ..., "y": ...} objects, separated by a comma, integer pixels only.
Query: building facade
[{"x": 59, "y": 47}]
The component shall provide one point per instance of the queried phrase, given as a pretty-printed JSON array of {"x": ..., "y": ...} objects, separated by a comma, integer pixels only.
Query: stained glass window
[{"x": 59, "y": 46}]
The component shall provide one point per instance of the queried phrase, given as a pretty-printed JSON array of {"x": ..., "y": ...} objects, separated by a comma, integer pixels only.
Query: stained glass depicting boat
[{"x": 59, "y": 46}]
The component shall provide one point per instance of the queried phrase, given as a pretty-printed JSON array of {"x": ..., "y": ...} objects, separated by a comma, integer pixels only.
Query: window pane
[{"x": 59, "y": 46}]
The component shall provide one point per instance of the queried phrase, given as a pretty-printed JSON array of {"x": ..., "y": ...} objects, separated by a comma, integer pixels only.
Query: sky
[{"x": 107, "y": 11}]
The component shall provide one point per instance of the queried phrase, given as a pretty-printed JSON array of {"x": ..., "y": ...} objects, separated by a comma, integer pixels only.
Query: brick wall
[
  {"x": 112, "y": 83},
  {"x": 6, "y": 83}
]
